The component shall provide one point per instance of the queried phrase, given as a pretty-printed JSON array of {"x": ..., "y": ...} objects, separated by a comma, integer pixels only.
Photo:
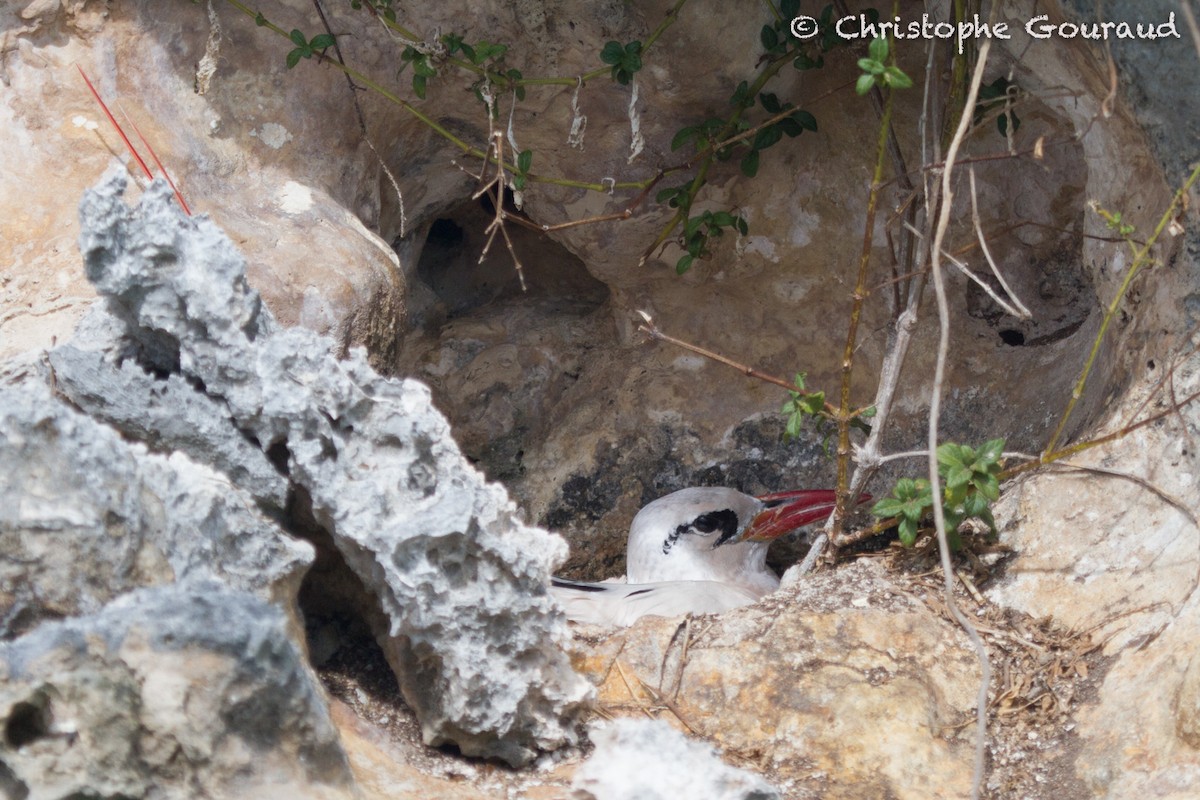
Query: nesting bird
[{"x": 695, "y": 551}]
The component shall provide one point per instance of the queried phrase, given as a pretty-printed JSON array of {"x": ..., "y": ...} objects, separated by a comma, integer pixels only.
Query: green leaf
[
  {"x": 684, "y": 136},
  {"x": 806, "y": 120},
  {"x": 950, "y": 454},
  {"x": 871, "y": 66},
  {"x": 298, "y": 38},
  {"x": 321, "y": 42},
  {"x": 795, "y": 424},
  {"x": 803, "y": 62},
  {"x": 293, "y": 57},
  {"x": 469, "y": 52},
  {"x": 742, "y": 227},
  {"x": 633, "y": 48},
  {"x": 770, "y": 102},
  {"x": 518, "y": 182},
  {"x": 954, "y": 496},
  {"x": 423, "y": 68},
  {"x": 260, "y": 20},
  {"x": 769, "y": 37},
  {"x": 887, "y": 507},
  {"x": 865, "y": 82},
  {"x": 897, "y": 79},
  {"x": 878, "y": 49},
  {"x": 908, "y": 532},
  {"x": 750, "y": 164},
  {"x": 957, "y": 476},
  {"x": 767, "y": 137},
  {"x": 525, "y": 161},
  {"x": 790, "y": 127},
  {"x": 722, "y": 218},
  {"x": 991, "y": 451},
  {"x": 975, "y": 504},
  {"x": 612, "y": 53},
  {"x": 989, "y": 487},
  {"x": 684, "y": 264},
  {"x": 419, "y": 85}
]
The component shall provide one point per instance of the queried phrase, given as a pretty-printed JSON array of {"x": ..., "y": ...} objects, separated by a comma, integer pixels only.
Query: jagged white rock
[{"x": 474, "y": 635}]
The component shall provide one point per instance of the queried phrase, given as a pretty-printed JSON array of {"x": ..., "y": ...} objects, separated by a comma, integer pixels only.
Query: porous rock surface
[
  {"x": 88, "y": 518},
  {"x": 191, "y": 689},
  {"x": 473, "y": 634},
  {"x": 639, "y": 759}
]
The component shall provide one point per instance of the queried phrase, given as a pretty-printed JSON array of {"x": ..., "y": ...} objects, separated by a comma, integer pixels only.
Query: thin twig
[
  {"x": 965, "y": 270},
  {"x": 632, "y": 694},
  {"x": 648, "y": 327},
  {"x": 1024, "y": 312},
  {"x": 939, "y": 517}
]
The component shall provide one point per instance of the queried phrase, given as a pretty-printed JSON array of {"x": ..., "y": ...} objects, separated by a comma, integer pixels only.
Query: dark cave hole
[
  {"x": 27, "y": 722},
  {"x": 340, "y": 621},
  {"x": 450, "y": 265},
  {"x": 1012, "y": 338},
  {"x": 444, "y": 232}
]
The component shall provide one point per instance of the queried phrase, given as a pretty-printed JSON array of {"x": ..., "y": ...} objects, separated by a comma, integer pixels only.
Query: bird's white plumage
[{"x": 683, "y": 557}]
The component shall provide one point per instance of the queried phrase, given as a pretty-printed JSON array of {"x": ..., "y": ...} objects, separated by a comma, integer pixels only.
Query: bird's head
[{"x": 715, "y": 533}]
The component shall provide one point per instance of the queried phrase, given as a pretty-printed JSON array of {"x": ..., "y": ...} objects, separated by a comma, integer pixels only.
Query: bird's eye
[{"x": 705, "y": 523}]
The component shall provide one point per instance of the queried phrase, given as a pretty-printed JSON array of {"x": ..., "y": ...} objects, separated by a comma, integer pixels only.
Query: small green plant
[
  {"x": 801, "y": 406},
  {"x": 972, "y": 484},
  {"x": 699, "y": 229},
  {"x": 306, "y": 48},
  {"x": 423, "y": 68},
  {"x": 877, "y": 71},
  {"x": 625, "y": 60},
  {"x": 1113, "y": 221},
  {"x": 521, "y": 176}
]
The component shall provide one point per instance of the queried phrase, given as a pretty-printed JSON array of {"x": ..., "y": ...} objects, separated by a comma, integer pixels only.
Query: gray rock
[
  {"x": 640, "y": 759},
  {"x": 189, "y": 690},
  {"x": 86, "y": 517},
  {"x": 165, "y": 412},
  {"x": 473, "y": 635}
]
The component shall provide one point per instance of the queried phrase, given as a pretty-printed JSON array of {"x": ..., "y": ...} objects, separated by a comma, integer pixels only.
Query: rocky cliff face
[{"x": 176, "y": 455}]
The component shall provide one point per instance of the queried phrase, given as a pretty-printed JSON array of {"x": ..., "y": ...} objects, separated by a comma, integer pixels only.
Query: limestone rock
[
  {"x": 473, "y": 635},
  {"x": 638, "y": 759},
  {"x": 842, "y": 687},
  {"x": 191, "y": 690},
  {"x": 86, "y": 517},
  {"x": 166, "y": 413}
]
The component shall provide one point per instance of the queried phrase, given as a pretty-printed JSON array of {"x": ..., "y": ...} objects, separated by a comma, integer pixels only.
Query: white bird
[{"x": 695, "y": 551}]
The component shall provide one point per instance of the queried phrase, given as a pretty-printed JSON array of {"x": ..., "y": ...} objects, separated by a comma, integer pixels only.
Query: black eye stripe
[{"x": 725, "y": 521}]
